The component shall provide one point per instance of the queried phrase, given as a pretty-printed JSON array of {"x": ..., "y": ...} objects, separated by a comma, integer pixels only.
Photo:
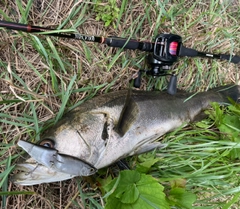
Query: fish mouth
[
  {"x": 32, "y": 173},
  {"x": 47, "y": 165}
]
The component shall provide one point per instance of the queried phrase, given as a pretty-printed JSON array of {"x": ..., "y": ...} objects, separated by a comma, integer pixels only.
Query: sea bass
[{"x": 110, "y": 127}]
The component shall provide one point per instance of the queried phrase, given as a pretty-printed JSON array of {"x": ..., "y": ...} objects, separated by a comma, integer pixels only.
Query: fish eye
[
  {"x": 47, "y": 143},
  {"x": 92, "y": 170}
]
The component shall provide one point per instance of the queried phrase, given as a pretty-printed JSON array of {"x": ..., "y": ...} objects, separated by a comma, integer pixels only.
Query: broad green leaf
[
  {"x": 230, "y": 124},
  {"x": 176, "y": 183},
  {"x": 114, "y": 202},
  {"x": 130, "y": 195},
  {"x": 146, "y": 161},
  {"x": 180, "y": 197},
  {"x": 146, "y": 165},
  {"x": 235, "y": 108},
  {"x": 136, "y": 190},
  {"x": 126, "y": 180}
]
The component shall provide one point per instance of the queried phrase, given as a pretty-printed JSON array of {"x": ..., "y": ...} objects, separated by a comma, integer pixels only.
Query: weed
[{"x": 108, "y": 12}]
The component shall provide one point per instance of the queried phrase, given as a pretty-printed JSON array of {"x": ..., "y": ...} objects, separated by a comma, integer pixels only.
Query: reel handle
[
  {"x": 137, "y": 81},
  {"x": 172, "y": 85}
]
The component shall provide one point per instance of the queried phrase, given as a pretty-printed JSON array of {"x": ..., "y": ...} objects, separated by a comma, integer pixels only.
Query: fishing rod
[
  {"x": 165, "y": 49},
  {"x": 110, "y": 41}
]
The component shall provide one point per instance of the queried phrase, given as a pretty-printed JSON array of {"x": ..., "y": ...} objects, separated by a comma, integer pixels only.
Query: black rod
[
  {"x": 110, "y": 41},
  {"x": 184, "y": 51},
  {"x": 36, "y": 29}
]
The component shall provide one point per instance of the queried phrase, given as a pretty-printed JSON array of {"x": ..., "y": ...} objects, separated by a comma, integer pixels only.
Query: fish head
[
  {"x": 46, "y": 165},
  {"x": 62, "y": 153}
]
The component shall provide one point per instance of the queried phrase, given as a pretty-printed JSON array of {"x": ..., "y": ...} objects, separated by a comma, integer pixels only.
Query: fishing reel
[{"x": 165, "y": 52}]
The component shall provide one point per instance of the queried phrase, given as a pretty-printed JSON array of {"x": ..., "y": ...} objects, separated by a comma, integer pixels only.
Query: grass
[{"x": 41, "y": 77}]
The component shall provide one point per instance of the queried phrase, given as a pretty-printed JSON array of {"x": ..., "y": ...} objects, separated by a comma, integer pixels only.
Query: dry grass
[{"x": 33, "y": 85}]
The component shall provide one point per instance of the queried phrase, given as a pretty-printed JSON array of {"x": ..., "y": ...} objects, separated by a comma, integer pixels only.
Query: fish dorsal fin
[{"x": 128, "y": 115}]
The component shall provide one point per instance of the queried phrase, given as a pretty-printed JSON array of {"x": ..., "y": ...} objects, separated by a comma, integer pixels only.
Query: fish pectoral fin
[
  {"x": 128, "y": 115},
  {"x": 200, "y": 116}
]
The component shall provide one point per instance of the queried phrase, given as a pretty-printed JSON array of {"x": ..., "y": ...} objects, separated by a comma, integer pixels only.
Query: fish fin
[
  {"x": 128, "y": 115},
  {"x": 230, "y": 91},
  {"x": 148, "y": 147},
  {"x": 202, "y": 115},
  {"x": 123, "y": 165}
]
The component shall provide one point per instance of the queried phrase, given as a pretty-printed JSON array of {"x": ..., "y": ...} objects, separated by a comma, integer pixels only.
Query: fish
[{"x": 111, "y": 127}]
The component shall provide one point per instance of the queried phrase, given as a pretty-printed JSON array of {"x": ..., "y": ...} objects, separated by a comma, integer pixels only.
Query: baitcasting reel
[
  {"x": 165, "y": 53},
  {"x": 167, "y": 48}
]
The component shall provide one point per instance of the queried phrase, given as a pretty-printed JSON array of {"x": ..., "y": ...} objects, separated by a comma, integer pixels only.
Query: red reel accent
[{"x": 173, "y": 48}]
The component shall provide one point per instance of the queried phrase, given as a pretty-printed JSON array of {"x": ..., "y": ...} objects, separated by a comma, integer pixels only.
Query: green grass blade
[
  {"x": 56, "y": 55},
  {"x": 65, "y": 96}
]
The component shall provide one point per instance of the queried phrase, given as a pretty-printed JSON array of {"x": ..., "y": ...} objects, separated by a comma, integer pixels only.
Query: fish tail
[{"x": 228, "y": 93}]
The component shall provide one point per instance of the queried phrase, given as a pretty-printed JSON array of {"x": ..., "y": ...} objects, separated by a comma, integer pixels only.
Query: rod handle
[
  {"x": 233, "y": 59},
  {"x": 128, "y": 44}
]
